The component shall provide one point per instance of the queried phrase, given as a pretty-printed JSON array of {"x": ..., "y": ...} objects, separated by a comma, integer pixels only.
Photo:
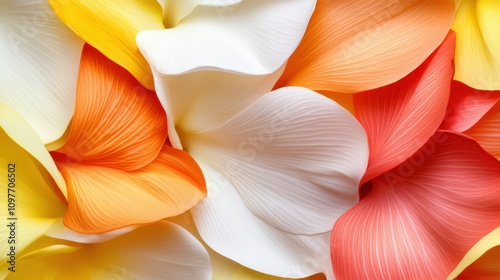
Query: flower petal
[
  {"x": 294, "y": 156},
  {"x": 193, "y": 101},
  {"x": 158, "y": 251},
  {"x": 352, "y": 46},
  {"x": 29, "y": 195},
  {"x": 487, "y": 131},
  {"x": 252, "y": 37},
  {"x": 168, "y": 186},
  {"x": 117, "y": 122},
  {"x": 229, "y": 228},
  {"x": 467, "y": 106},
  {"x": 111, "y": 27},
  {"x": 477, "y": 57},
  {"x": 421, "y": 218},
  {"x": 40, "y": 58},
  {"x": 481, "y": 262},
  {"x": 399, "y": 118}
]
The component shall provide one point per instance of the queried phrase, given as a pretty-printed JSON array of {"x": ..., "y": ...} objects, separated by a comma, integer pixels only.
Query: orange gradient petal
[
  {"x": 352, "y": 46},
  {"x": 421, "y": 218},
  {"x": 399, "y": 118},
  {"x": 487, "y": 131},
  {"x": 101, "y": 198},
  {"x": 467, "y": 106},
  {"x": 117, "y": 122}
]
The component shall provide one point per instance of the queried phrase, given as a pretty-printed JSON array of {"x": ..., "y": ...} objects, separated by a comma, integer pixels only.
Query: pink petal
[
  {"x": 421, "y": 218},
  {"x": 401, "y": 117}
]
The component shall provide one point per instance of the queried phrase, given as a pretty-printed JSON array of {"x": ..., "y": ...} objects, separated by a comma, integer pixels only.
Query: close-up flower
[
  {"x": 428, "y": 195},
  {"x": 137, "y": 253},
  {"x": 250, "y": 139}
]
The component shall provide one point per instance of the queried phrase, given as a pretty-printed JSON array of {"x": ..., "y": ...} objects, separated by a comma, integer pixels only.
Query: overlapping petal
[
  {"x": 111, "y": 27},
  {"x": 39, "y": 66},
  {"x": 399, "y": 118},
  {"x": 353, "y": 46},
  {"x": 229, "y": 228},
  {"x": 150, "y": 252},
  {"x": 116, "y": 148},
  {"x": 478, "y": 45},
  {"x": 28, "y": 188},
  {"x": 487, "y": 131},
  {"x": 117, "y": 122},
  {"x": 467, "y": 106},
  {"x": 198, "y": 101},
  {"x": 251, "y": 37},
  {"x": 421, "y": 218},
  {"x": 294, "y": 157},
  {"x": 168, "y": 186}
]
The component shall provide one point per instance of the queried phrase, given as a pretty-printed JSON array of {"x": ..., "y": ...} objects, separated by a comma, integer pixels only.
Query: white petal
[
  {"x": 294, "y": 156},
  {"x": 193, "y": 101},
  {"x": 161, "y": 250},
  {"x": 229, "y": 228},
  {"x": 40, "y": 58},
  {"x": 251, "y": 37},
  {"x": 60, "y": 231}
]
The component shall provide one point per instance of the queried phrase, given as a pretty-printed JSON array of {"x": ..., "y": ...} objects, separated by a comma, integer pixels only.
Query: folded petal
[
  {"x": 294, "y": 156},
  {"x": 168, "y": 186},
  {"x": 399, "y": 118},
  {"x": 158, "y": 251},
  {"x": 467, "y": 106},
  {"x": 233, "y": 231},
  {"x": 39, "y": 68},
  {"x": 477, "y": 57},
  {"x": 352, "y": 46},
  {"x": 30, "y": 202},
  {"x": 222, "y": 267},
  {"x": 487, "y": 131},
  {"x": 193, "y": 100},
  {"x": 481, "y": 262},
  {"x": 111, "y": 27},
  {"x": 421, "y": 218},
  {"x": 251, "y": 37},
  {"x": 117, "y": 122}
]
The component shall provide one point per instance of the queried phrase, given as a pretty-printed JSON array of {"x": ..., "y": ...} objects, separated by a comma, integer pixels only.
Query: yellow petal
[
  {"x": 158, "y": 251},
  {"x": 111, "y": 27},
  {"x": 29, "y": 204},
  {"x": 481, "y": 262},
  {"x": 477, "y": 57}
]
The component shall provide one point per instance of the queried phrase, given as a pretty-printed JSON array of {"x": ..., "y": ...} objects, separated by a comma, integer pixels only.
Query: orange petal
[
  {"x": 101, "y": 199},
  {"x": 352, "y": 46},
  {"x": 117, "y": 122},
  {"x": 487, "y": 131},
  {"x": 421, "y": 218},
  {"x": 401, "y": 117},
  {"x": 467, "y": 106}
]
